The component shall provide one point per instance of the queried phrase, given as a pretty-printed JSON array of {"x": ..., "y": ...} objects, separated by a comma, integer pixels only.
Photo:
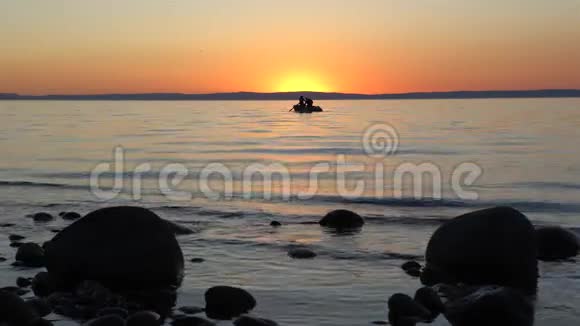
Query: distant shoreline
[{"x": 254, "y": 96}]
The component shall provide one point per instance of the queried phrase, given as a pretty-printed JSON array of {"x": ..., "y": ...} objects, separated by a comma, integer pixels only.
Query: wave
[
  {"x": 524, "y": 205},
  {"x": 31, "y": 184}
]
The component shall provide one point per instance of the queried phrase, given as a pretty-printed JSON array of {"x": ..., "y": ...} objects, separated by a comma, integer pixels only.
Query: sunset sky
[{"x": 372, "y": 46}]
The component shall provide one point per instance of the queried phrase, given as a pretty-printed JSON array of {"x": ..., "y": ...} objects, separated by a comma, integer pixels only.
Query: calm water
[{"x": 526, "y": 148}]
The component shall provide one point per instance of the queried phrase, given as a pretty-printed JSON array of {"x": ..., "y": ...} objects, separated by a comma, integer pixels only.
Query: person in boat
[
  {"x": 301, "y": 100},
  {"x": 309, "y": 102}
]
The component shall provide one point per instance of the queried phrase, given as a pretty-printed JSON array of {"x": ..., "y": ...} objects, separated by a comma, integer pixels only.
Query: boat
[{"x": 306, "y": 109}]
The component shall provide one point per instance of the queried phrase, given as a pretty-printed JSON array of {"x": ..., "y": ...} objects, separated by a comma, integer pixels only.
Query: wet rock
[
  {"x": 40, "y": 306},
  {"x": 491, "y": 305},
  {"x": 254, "y": 321},
  {"x": 70, "y": 216},
  {"x": 3, "y": 259},
  {"x": 43, "y": 284},
  {"x": 110, "y": 320},
  {"x": 16, "y": 237},
  {"x": 428, "y": 298},
  {"x": 301, "y": 253},
  {"x": 178, "y": 229},
  {"x": 197, "y": 260},
  {"x": 556, "y": 243},
  {"x": 226, "y": 302},
  {"x": 31, "y": 255},
  {"x": 23, "y": 282},
  {"x": 6, "y": 225},
  {"x": 14, "y": 311},
  {"x": 191, "y": 321},
  {"x": 121, "y": 312},
  {"x": 413, "y": 272},
  {"x": 42, "y": 217},
  {"x": 411, "y": 265},
  {"x": 191, "y": 310},
  {"x": 489, "y": 246},
  {"x": 403, "y": 309},
  {"x": 143, "y": 318},
  {"x": 342, "y": 219},
  {"x": 92, "y": 291},
  {"x": 41, "y": 322},
  {"x": 122, "y": 247},
  {"x": 16, "y": 244},
  {"x": 14, "y": 289},
  {"x": 275, "y": 224}
]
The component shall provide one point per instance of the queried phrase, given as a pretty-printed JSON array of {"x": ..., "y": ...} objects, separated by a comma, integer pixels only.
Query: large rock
[
  {"x": 555, "y": 243},
  {"x": 491, "y": 305},
  {"x": 342, "y": 219},
  {"x": 403, "y": 309},
  {"x": 226, "y": 302},
  {"x": 31, "y": 255},
  {"x": 490, "y": 246},
  {"x": 121, "y": 247},
  {"x": 14, "y": 311}
]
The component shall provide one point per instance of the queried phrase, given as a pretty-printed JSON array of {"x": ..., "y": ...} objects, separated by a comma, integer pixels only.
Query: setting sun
[{"x": 298, "y": 83}]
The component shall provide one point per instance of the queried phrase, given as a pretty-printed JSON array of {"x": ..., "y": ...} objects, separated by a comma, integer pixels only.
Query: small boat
[{"x": 306, "y": 109}]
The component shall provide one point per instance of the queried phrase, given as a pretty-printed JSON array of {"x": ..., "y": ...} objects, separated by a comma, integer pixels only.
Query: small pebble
[
  {"x": 301, "y": 253},
  {"x": 23, "y": 282},
  {"x": 15, "y": 237},
  {"x": 275, "y": 223}
]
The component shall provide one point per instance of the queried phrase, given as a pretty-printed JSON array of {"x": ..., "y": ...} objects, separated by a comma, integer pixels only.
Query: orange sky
[{"x": 373, "y": 46}]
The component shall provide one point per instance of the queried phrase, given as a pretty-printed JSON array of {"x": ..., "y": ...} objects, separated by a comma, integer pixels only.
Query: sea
[{"x": 226, "y": 169}]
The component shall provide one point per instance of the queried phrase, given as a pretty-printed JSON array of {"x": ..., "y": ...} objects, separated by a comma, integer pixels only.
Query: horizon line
[
  {"x": 292, "y": 92},
  {"x": 319, "y": 95}
]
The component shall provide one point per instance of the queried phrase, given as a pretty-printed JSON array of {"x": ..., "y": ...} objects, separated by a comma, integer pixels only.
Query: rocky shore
[{"x": 124, "y": 265}]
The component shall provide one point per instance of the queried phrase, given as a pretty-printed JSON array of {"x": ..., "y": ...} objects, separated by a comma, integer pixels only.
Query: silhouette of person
[
  {"x": 301, "y": 100},
  {"x": 309, "y": 102}
]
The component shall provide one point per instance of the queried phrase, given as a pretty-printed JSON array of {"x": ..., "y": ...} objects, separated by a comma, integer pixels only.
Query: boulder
[
  {"x": 23, "y": 282},
  {"x": 403, "y": 309},
  {"x": 30, "y": 255},
  {"x": 428, "y": 298},
  {"x": 40, "y": 306},
  {"x": 342, "y": 219},
  {"x": 16, "y": 237},
  {"x": 121, "y": 312},
  {"x": 489, "y": 246},
  {"x": 491, "y": 305},
  {"x": 15, "y": 311},
  {"x": 143, "y": 318},
  {"x": 275, "y": 224},
  {"x": 190, "y": 310},
  {"x": 178, "y": 229},
  {"x": 556, "y": 243},
  {"x": 70, "y": 216},
  {"x": 43, "y": 284},
  {"x": 121, "y": 247},
  {"x": 254, "y": 321},
  {"x": 110, "y": 320},
  {"x": 301, "y": 253},
  {"x": 191, "y": 321},
  {"x": 42, "y": 217},
  {"x": 226, "y": 302}
]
